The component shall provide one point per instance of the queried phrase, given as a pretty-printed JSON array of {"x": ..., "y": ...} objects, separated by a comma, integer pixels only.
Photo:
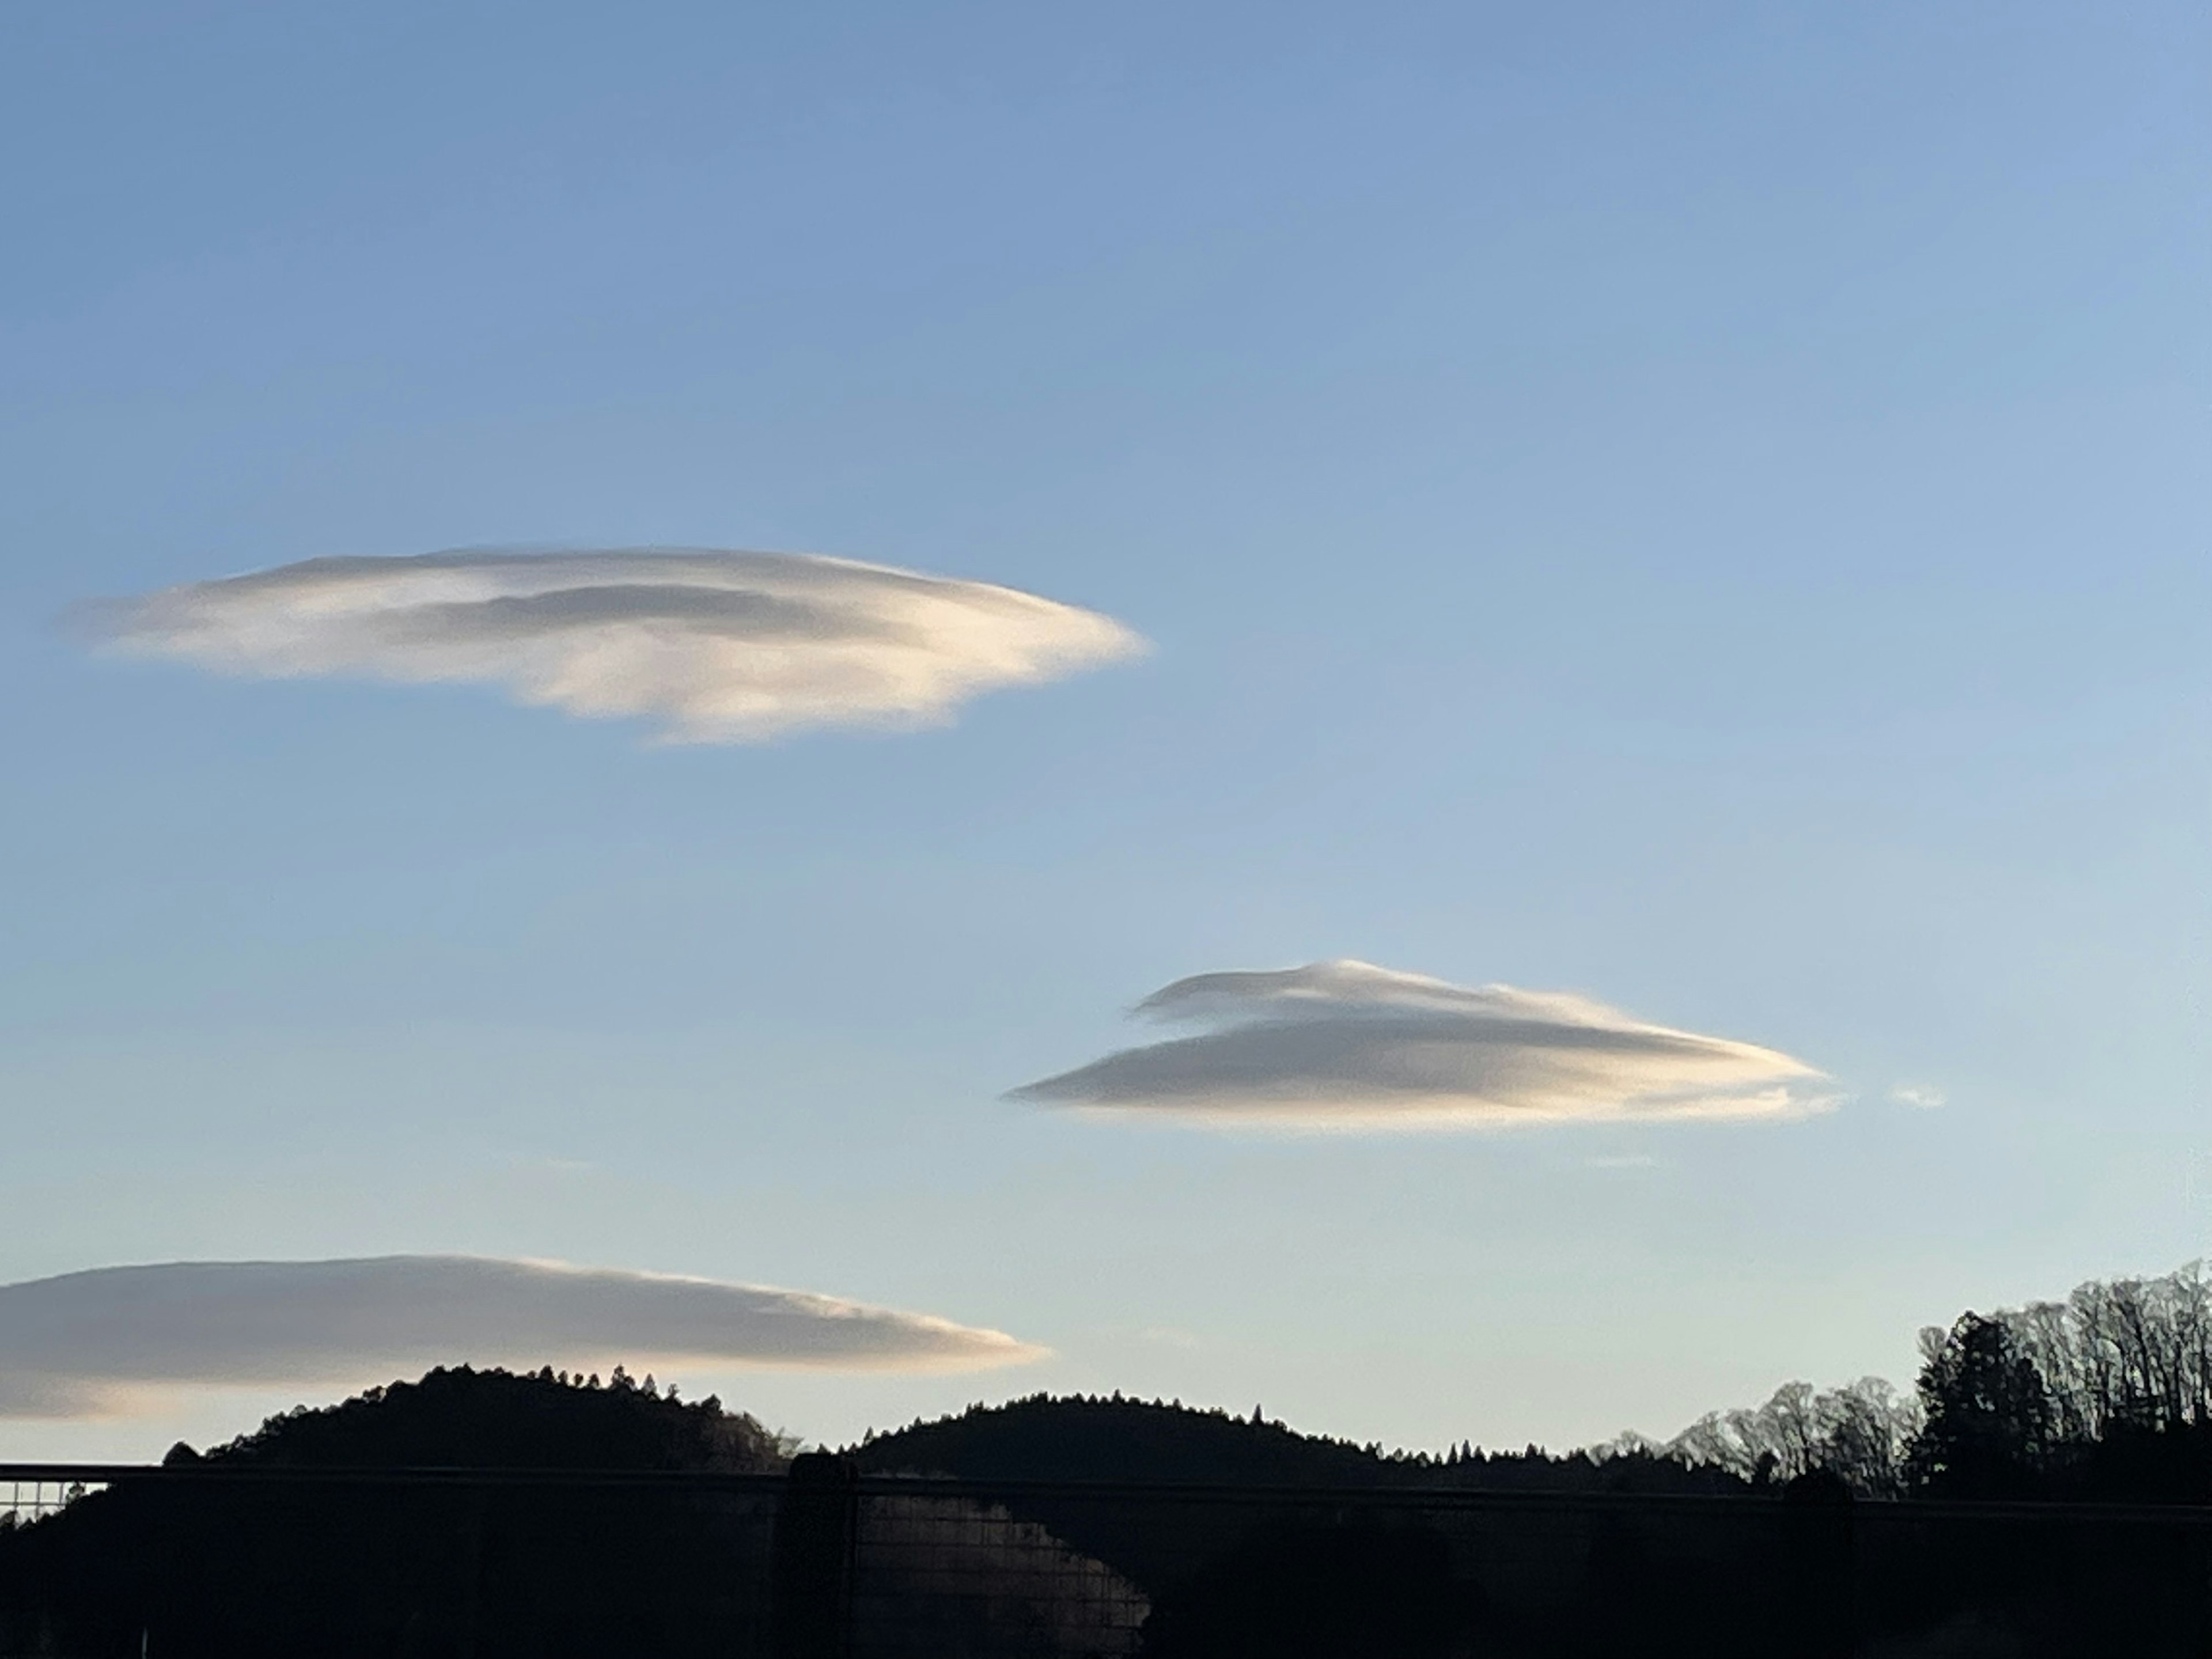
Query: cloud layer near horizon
[
  {"x": 90, "y": 1344},
  {"x": 1347, "y": 1045},
  {"x": 717, "y": 646}
]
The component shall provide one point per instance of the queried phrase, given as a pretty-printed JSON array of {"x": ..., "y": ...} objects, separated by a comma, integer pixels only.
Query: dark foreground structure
[{"x": 203, "y": 1559}]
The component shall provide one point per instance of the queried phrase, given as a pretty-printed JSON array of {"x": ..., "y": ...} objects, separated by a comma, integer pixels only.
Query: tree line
[{"x": 2106, "y": 1394}]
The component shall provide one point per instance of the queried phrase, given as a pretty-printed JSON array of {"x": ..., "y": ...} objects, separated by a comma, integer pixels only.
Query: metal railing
[
  {"x": 243, "y": 1559},
  {"x": 24, "y": 1500}
]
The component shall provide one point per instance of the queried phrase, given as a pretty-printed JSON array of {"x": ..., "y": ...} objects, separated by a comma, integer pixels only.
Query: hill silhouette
[
  {"x": 1078, "y": 1437},
  {"x": 1082, "y": 1438},
  {"x": 462, "y": 1418},
  {"x": 346, "y": 1568}
]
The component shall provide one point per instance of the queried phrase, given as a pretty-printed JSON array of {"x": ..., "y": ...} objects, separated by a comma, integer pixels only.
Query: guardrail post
[{"x": 812, "y": 1588}]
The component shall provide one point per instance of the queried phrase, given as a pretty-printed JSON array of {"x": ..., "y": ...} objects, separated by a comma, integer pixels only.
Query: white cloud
[
  {"x": 88, "y": 1344},
  {"x": 1921, "y": 1096},
  {"x": 715, "y": 646},
  {"x": 1347, "y": 1045}
]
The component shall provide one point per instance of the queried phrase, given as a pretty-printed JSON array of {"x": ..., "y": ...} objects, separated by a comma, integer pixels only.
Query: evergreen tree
[{"x": 1988, "y": 1432}]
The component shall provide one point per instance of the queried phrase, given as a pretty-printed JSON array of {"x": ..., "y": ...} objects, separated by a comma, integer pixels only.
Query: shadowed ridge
[
  {"x": 1078, "y": 1437},
  {"x": 1111, "y": 1438},
  {"x": 353, "y": 1570},
  {"x": 460, "y": 1418}
]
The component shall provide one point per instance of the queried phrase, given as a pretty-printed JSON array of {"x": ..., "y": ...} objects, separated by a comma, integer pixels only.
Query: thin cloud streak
[
  {"x": 715, "y": 646},
  {"x": 1347, "y": 1046},
  {"x": 97, "y": 1343}
]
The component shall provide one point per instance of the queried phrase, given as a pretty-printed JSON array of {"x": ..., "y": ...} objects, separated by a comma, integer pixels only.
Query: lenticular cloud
[
  {"x": 716, "y": 647},
  {"x": 90, "y": 1343},
  {"x": 1347, "y": 1045}
]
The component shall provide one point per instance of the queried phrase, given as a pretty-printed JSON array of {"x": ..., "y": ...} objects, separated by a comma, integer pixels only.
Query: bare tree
[
  {"x": 1859, "y": 1432},
  {"x": 2123, "y": 1353}
]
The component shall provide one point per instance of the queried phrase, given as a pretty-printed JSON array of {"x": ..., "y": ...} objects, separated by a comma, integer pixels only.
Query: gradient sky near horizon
[{"x": 1700, "y": 507}]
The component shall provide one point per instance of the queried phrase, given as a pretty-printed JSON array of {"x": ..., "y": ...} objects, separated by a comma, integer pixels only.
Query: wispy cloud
[
  {"x": 715, "y": 646},
  {"x": 1921, "y": 1096},
  {"x": 1346, "y": 1045},
  {"x": 88, "y": 1344}
]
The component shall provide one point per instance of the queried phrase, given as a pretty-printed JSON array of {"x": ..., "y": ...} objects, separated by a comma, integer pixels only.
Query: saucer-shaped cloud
[
  {"x": 715, "y": 646},
  {"x": 89, "y": 1343},
  {"x": 1347, "y": 1045}
]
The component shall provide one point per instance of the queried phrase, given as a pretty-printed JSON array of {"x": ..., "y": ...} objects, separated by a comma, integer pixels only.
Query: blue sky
[{"x": 1703, "y": 507}]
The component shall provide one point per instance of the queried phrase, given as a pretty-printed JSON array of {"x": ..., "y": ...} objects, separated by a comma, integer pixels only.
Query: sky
[{"x": 1604, "y": 607}]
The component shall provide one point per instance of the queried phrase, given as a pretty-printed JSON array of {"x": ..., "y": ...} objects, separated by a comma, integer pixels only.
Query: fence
[
  {"x": 23, "y": 1501},
  {"x": 212, "y": 1559}
]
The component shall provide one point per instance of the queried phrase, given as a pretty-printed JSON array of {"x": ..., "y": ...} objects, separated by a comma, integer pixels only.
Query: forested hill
[
  {"x": 1111, "y": 1438},
  {"x": 461, "y": 1417},
  {"x": 256, "y": 1570},
  {"x": 1082, "y": 1438}
]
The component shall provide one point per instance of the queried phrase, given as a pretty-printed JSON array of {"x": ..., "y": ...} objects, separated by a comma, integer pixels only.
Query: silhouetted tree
[
  {"x": 1860, "y": 1433},
  {"x": 2133, "y": 1353},
  {"x": 1988, "y": 1421}
]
